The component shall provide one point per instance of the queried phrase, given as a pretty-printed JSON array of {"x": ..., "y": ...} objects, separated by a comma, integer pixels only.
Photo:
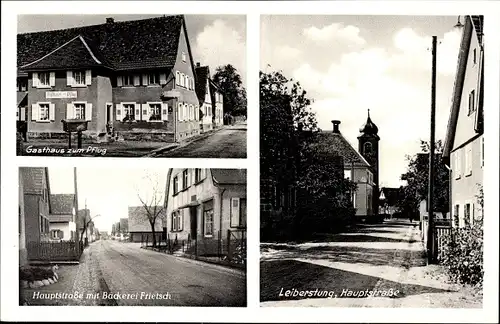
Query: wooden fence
[
  {"x": 54, "y": 251},
  {"x": 442, "y": 228}
]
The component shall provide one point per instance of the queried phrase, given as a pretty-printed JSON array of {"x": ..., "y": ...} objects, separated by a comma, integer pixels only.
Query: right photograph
[{"x": 371, "y": 161}]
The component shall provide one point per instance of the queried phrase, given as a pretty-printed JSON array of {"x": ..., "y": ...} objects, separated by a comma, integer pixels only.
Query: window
[
  {"x": 43, "y": 112},
  {"x": 127, "y": 80},
  {"x": 367, "y": 148},
  {"x": 184, "y": 57},
  {"x": 79, "y": 77},
  {"x": 466, "y": 214},
  {"x": 176, "y": 185},
  {"x": 474, "y": 56},
  {"x": 155, "y": 111},
  {"x": 182, "y": 79},
  {"x": 472, "y": 106},
  {"x": 153, "y": 78},
  {"x": 177, "y": 221},
  {"x": 456, "y": 215},
  {"x": 208, "y": 221},
  {"x": 177, "y": 78},
  {"x": 468, "y": 161},
  {"x": 458, "y": 164},
  {"x": 129, "y": 110},
  {"x": 44, "y": 79},
  {"x": 185, "y": 179},
  {"x": 56, "y": 234},
  {"x": 238, "y": 211},
  {"x": 197, "y": 175},
  {"x": 186, "y": 81},
  {"x": 22, "y": 84},
  {"x": 79, "y": 110}
]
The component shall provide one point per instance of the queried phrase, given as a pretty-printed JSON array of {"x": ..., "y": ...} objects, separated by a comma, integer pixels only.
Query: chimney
[
  {"x": 198, "y": 64},
  {"x": 336, "y": 124},
  {"x": 110, "y": 20}
]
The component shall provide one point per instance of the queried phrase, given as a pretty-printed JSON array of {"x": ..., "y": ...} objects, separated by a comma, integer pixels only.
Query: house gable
[
  {"x": 466, "y": 108},
  {"x": 187, "y": 66},
  {"x": 138, "y": 220}
]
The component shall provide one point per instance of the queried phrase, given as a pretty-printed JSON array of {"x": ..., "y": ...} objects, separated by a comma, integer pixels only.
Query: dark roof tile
[
  {"x": 336, "y": 143},
  {"x": 62, "y": 204},
  {"x": 230, "y": 176}
]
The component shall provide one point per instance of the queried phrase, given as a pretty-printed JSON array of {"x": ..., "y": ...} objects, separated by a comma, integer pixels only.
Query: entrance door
[{"x": 194, "y": 222}]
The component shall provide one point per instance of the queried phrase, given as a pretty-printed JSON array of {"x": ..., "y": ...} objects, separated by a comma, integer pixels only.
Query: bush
[{"x": 463, "y": 255}]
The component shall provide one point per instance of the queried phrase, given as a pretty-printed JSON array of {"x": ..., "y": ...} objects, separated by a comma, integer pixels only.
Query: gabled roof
[
  {"x": 146, "y": 43},
  {"x": 73, "y": 54},
  {"x": 138, "y": 220},
  {"x": 336, "y": 143},
  {"x": 33, "y": 179},
  {"x": 62, "y": 204},
  {"x": 202, "y": 76},
  {"x": 470, "y": 22},
  {"x": 229, "y": 176}
]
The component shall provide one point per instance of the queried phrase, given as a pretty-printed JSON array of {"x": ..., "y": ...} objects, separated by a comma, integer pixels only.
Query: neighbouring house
[
  {"x": 35, "y": 205},
  {"x": 388, "y": 200},
  {"x": 22, "y": 104},
  {"x": 139, "y": 226},
  {"x": 217, "y": 104},
  {"x": 356, "y": 165},
  {"x": 62, "y": 217},
  {"x": 464, "y": 144},
  {"x": 23, "y": 253},
  {"x": 133, "y": 77},
  {"x": 203, "y": 91},
  {"x": 207, "y": 206}
]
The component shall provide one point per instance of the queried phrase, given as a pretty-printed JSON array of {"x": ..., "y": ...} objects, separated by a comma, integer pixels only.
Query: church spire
[{"x": 369, "y": 128}]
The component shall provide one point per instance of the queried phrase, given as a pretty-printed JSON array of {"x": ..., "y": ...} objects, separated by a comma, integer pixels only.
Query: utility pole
[{"x": 431, "y": 246}]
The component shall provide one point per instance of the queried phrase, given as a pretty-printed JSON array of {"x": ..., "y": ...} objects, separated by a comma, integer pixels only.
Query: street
[
  {"x": 379, "y": 265},
  {"x": 121, "y": 273},
  {"x": 230, "y": 142}
]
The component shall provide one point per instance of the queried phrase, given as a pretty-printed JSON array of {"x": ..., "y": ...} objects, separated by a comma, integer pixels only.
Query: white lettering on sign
[{"x": 60, "y": 94}]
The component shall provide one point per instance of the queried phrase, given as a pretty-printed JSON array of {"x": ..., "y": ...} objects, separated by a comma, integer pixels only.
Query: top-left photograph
[{"x": 132, "y": 86}]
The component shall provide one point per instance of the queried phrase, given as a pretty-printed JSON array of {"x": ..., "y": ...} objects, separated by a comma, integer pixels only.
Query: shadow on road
[{"x": 291, "y": 274}]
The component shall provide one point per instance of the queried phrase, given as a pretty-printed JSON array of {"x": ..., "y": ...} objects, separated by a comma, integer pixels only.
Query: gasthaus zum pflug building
[{"x": 131, "y": 77}]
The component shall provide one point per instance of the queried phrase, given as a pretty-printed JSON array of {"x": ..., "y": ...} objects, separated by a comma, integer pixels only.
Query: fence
[
  {"x": 55, "y": 251},
  {"x": 230, "y": 247},
  {"x": 442, "y": 228}
]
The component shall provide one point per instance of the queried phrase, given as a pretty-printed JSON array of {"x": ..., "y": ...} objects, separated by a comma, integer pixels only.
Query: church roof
[{"x": 369, "y": 128}]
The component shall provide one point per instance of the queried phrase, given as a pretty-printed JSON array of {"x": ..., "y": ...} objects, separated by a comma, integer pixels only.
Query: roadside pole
[{"x": 431, "y": 246}]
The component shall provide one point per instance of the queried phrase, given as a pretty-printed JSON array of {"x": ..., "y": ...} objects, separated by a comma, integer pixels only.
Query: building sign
[{"x": 60, "y": 94}]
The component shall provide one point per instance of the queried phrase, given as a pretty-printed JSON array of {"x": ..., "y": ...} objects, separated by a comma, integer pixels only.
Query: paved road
[
  {"x": 226, "y": 143},
  {"x": 355, "y": 268},
  {"x": 125, "y": 268}
]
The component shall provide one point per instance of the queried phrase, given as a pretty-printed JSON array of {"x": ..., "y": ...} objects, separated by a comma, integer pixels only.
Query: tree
[
  {"x": 290, "y": 157},
  {"x": 152, "y": 200},
  {"x": 228, "y": 79},
  {"x": 417, "y": 180},
  {"x": 87, "y": 221}
]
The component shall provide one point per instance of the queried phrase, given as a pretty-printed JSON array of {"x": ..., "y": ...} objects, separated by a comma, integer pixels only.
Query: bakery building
[{"x": 131, "y": 77}]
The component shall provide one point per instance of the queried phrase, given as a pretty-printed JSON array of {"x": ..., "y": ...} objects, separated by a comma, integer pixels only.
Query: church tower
[{"x": 368, "y": 148}]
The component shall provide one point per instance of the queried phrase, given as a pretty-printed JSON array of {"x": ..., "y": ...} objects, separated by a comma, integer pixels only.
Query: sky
[
  {"x": 215, "y": 39},
  {"x": 109, "y": 192},
  {"x": 349, "y": 64}
]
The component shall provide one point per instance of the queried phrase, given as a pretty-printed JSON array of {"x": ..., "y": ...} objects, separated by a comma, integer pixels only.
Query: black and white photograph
[
  {"x": 131, "y": 85},
  {"x": 371, "y": 161},
  {"x": 157, "y": 237}
]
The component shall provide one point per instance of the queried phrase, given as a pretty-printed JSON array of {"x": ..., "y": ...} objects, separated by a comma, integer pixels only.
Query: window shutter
[
  {"x": 69, "y": 78},
  {"x": 34, "y": 112},
  {"x": 88, "y": 112},
  {"x": 181, "y": 220},
  {"x": 185, "y": 113},
  {"x": 52, "y": 79},
  {"x": 88, "y": 77},
  {"x": 145, "y": 80},
  {"x": 137, "y": 111},
  {"x": 22, "y": 117},
  {"x": 137, "y": 80},
  {"x": 164, "y": 111},
  {"x": 60, "y": 234},
  {"x": 52, "y": 112},
  {"x": 17, "y": 115},
  {"x": 119, "y": 81},
  {"x": 145, "y": 112},
  {"x": 235, "y": 212},
  {"x": 179, "y": 105},
  {"x": 186, "y": 81},
  {"x": 35, "y": 80},
  {"x": 118, "y": 111},
  {"x": 69, "y": 111},
  {"x": 177, "y": 78},
  {"x": 163, "y": 78}
]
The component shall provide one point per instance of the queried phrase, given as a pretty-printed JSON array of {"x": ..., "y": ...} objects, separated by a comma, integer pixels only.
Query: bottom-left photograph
[{"x": 132, "y": 237}]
